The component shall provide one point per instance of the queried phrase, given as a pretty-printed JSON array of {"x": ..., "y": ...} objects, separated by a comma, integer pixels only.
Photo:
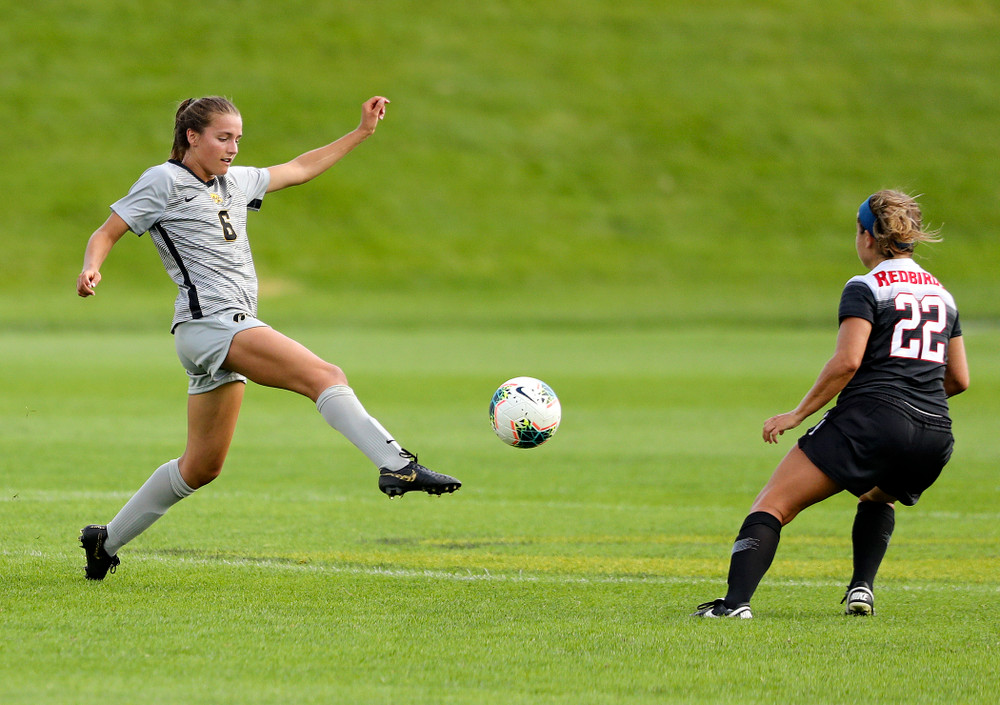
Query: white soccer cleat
[
  {"x": 717, "y": 608},
  {"x": 860, "y": 601}
]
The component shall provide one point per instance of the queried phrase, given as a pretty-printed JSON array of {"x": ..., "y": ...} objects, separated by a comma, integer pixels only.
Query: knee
[
  {"x": 782, "y": 513},
  {"x": 335, "y": 375},
  {"x": 326, "y": 376},
  {"x": 773, "y": 503},
  {"x": 198, "y": 473}
]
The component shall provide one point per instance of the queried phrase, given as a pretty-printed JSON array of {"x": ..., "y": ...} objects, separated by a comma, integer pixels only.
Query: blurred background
[{"x": 636, "y": 163}]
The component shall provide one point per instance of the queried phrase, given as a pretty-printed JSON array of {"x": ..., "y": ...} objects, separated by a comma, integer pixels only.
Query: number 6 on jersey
[{"x": 228, "y": 231}]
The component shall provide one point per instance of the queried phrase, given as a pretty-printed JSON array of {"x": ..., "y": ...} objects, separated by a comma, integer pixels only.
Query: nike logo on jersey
[{"x": 189, "y": 199}]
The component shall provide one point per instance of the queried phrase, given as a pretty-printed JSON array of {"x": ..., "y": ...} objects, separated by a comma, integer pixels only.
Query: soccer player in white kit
[{"x": 195, "y": 207}]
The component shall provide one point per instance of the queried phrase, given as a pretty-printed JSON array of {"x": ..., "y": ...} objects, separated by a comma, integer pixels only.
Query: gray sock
[
  {"x": 164, "y": 488},
  {"x": 341, "y": 409}
]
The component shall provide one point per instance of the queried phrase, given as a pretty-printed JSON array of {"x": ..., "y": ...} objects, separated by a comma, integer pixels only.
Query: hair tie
[{"x": 866, "y": 217}]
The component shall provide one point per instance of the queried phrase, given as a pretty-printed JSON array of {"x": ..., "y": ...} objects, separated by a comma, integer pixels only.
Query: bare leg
[
  {"x": 274, "y": 360},
  {"x": 211, "y": 424},
  {"x": 795, "y": 484}
]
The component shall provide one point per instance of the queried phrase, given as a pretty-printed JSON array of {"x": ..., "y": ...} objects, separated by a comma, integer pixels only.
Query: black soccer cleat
[
  {"x": 99, "y": 563},
  {"x": 717, "y": 608},
  {"x": 860, "y": 601},
  {"x": 415, "y": 477}
]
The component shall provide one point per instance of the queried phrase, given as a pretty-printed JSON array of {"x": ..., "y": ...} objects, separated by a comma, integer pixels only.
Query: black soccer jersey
[{"x": 913, "y": 319}]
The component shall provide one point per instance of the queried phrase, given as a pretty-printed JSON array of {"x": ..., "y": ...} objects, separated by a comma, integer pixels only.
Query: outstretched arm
[
  {"x": 98, "y": 247},
  {"x": 311, "y": 164},
  {"x": 852, "y": 339}
]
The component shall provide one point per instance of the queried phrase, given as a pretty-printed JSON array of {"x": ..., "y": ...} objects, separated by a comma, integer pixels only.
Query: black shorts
[{"x": 876, "y": 441}]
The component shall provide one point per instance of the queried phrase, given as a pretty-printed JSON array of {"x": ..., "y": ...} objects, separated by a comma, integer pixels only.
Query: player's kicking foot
[
  {"x": 860, "y": 601},
  {"x": 717, "y": 608},
  {"x": 415, "y": 477},
  {"x": 99, "y": 563}
]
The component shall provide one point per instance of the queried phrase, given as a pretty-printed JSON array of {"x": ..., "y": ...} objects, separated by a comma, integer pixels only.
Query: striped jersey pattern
[
  {"x": 200, "y": 231},
  {"x": 913, "y": 320}
]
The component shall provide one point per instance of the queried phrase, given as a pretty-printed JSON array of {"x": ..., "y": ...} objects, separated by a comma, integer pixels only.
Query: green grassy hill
[{"x": 641, "y": 161}]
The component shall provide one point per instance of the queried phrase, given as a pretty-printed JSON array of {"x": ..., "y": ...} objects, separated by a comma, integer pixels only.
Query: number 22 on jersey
[{"x": 922, "y": 346}]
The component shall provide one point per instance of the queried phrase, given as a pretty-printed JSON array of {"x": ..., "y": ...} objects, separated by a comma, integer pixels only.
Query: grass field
[
  {"x": 647, "y": 203},
  {"x": 563, "y": 574}
]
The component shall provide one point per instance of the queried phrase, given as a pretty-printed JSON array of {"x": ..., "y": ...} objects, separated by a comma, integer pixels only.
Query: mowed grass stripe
[
  {"x": 974, "y": 573},
  {"x": 10, "y": 494}
]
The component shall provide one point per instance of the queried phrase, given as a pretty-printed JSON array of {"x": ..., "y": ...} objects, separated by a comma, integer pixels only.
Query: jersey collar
[
  {"x": 896, "y": 263},
  {"x": 182, "y": 165}
]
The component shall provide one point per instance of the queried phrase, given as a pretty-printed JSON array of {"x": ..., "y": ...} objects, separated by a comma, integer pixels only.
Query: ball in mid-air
[{"x": 525, "y": 412}]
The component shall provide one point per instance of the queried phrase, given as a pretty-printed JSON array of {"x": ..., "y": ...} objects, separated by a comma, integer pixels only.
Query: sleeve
[
  {"x": 956, "y": 331},
  {"x": 146, "y": 200},
  {"x": 857, "y": 301},
  {"x": 253, "y": 182}
]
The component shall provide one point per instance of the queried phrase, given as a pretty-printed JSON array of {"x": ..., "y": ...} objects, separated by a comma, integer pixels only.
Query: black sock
[
  {"x": 753, "y": 552},
  {"x": 873, "y": 525}
]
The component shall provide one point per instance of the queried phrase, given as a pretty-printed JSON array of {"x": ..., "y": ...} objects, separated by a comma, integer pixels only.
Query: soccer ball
[{"x": 525, "y": 412}]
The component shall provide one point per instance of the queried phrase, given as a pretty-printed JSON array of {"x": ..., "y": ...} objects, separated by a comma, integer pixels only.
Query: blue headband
[
  {"x": 867, "y": 220},
  {"x": 866, "y": 217}
]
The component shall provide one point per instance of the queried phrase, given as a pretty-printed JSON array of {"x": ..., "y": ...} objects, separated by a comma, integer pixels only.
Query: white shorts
[{"x": 203, "y": 344}]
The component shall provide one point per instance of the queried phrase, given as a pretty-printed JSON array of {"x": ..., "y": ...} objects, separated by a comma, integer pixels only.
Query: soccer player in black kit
[{"x": 899, "y": 356}]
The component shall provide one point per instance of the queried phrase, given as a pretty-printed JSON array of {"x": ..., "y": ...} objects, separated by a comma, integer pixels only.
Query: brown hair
[
  {"x": 898, "y": 223},
  {"x": 196, "y": 114}
]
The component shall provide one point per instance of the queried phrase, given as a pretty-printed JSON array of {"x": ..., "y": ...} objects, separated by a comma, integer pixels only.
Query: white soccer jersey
[{"x": 200, "y": 230}]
